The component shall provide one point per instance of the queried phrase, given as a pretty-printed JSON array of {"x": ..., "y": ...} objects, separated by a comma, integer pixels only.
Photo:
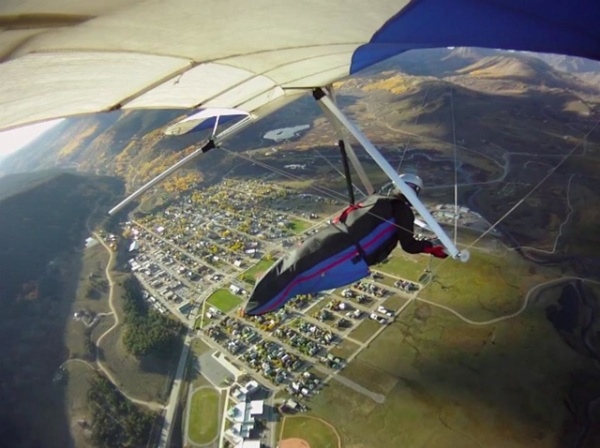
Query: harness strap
[
  {"x": 344, "y": 215},
  {"x": 341, "y": 219}
]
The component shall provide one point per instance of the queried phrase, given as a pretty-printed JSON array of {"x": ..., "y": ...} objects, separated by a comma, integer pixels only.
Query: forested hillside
[{"x": 43, "y": 219}]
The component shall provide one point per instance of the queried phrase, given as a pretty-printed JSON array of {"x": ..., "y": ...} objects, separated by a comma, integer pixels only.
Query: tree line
[
  {"x": 146, "y": 330},
  {"x": 115, "y": 421}
]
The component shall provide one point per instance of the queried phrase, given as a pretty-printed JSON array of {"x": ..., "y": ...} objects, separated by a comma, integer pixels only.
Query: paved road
[{"x": 167, "y": 428}]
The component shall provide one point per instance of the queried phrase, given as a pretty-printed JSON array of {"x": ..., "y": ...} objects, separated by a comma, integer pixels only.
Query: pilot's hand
[{"x": 436, "y": 251}]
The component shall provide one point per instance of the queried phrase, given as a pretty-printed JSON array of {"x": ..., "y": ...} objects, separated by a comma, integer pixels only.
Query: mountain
[
  {"x": 77, "y": 141},
  {"x": 526, "y": 70},
  {"x": 437, "y": 62},
  {"x": 42, "y": 214},
  {"x": 133, "y": 146},
  {"x": 443, "y": 62},
  {"x": 568, "y": 64}
]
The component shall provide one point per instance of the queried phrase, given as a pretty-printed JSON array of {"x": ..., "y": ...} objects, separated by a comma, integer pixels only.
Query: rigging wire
[
  {"x": 524, "y": 198},
  {"x": 409, "y": 136},
  {"x": 333, "y": 194},
  {"x": 550, "y": 173},
  {"x": 339, "y": 172},
  {"x": 455, "y": 166}
]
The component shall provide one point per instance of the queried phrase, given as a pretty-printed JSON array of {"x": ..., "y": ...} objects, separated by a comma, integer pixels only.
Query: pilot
[{"x": 361, "y": 236}]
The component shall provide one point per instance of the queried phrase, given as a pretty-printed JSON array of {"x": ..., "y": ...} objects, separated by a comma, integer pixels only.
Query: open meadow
[
  {"x": 450, "y": 382},
  {"x": 252, "y": 274},
  {"x": 147, "y": 378}
]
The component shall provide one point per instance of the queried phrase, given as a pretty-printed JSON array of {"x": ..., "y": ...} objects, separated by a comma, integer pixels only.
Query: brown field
[
  {"x": 365, "y": 330},
  {"x": 78, "y": 373},
  {"x": 293, "y": 443},
  {"x": 344, "y": 349}
]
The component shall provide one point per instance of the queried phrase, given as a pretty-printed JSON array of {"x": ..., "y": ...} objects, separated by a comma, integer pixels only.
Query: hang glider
[
  {"x": 205, "y": 119},
  {"x": 62, "y": 58}
]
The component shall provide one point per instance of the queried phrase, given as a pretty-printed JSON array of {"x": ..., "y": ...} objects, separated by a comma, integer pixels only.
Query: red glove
[{"x": 436, "y": 251}]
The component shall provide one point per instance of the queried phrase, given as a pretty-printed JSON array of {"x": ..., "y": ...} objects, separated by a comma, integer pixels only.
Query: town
[{"x": 198, "y": 260}]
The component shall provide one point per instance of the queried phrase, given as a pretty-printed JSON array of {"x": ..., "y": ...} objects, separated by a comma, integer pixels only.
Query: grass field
[
  {"x": 394, "y": 302},
  {"x": 196, "y": 378},
  {"x": 344, "y": 349},
  {"x": 409, "y": 267},
  {"x": 224, "y": 300},
  {"x": 93, "y": 263},
  {"x": 448, "y": 383},
  {"x": 365, "y": 330},
  {"x": 316, "y": 432},
  {"x": 146, "y": 378},
  {"x": 299, "y": 225},
  {"x": 489, "y": 285},
  {"x": 258, "y": 268},
  {"x": 199, "y": 347},
  {"x": 322, "y": 303},
  {"x": 204, "y": 416}
]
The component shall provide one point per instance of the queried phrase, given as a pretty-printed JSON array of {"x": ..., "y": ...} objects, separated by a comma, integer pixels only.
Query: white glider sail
[{"x": 61, "y": 58}]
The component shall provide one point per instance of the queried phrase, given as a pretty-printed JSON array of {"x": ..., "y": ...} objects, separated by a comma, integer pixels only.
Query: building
[
  {"x": 243, "y": 392},
  {"x": 243, "y": 416},
  {"x": 90, "y": 242}
]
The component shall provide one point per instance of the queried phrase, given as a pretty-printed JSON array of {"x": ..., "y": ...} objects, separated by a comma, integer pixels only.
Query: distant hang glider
[
  {"x": 205, "y": 119},
  {"x": 62, "y": 58}
]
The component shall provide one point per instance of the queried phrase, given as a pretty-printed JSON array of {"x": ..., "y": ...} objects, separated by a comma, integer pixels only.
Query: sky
[{"x": 15, "y": 139}]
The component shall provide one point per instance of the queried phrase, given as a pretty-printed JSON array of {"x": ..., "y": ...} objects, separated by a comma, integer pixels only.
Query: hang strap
[{"x": 341, "y": 219}]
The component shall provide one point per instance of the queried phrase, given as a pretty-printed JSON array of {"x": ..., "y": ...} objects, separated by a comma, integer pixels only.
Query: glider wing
[{"x": 62, "y": 58}]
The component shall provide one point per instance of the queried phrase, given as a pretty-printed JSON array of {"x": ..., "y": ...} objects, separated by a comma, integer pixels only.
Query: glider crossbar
[
  {"x": 378, "y": 158},
  {"x": 212, "y": 143}
]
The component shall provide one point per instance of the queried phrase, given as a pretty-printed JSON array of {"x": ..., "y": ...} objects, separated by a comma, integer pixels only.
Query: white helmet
[{"x": 412, "y": 180}]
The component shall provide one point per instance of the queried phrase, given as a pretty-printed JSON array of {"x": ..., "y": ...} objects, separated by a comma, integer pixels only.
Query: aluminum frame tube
[
  {"x": 217, "y": 139},
  {"x": 408, "y": 192}
]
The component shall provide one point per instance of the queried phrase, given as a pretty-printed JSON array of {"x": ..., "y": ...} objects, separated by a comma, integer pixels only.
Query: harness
[{"x": 339, "y": 222}]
